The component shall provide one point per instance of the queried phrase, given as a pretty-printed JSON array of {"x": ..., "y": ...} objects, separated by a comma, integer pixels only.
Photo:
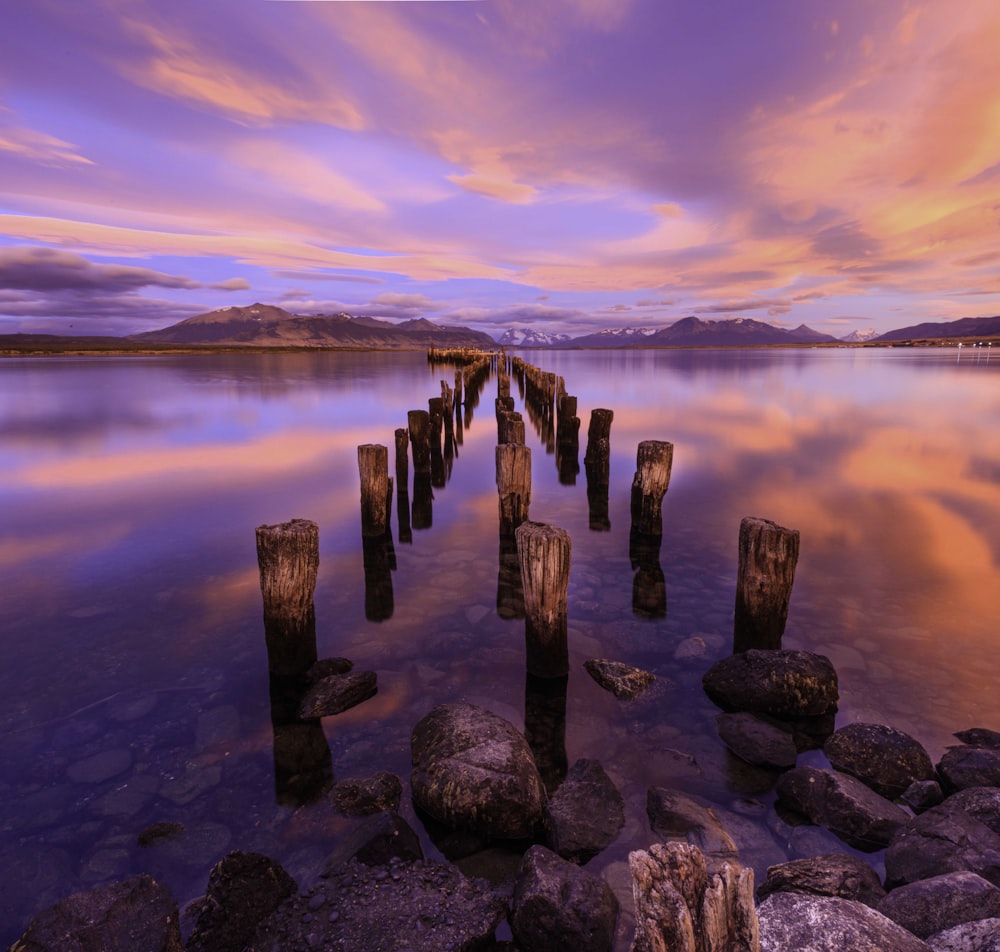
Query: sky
[{"x": 565, "y": 165}]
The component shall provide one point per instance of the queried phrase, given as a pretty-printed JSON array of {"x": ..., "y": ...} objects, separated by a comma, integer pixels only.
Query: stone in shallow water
[
  {"x": 100, "y": 767},
  {"x": 338, "y": 693},
  {"x": 622, "y": 680}
]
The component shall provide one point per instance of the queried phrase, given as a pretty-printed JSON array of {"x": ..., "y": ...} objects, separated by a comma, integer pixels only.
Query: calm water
[{"x": 134, "y": 683}]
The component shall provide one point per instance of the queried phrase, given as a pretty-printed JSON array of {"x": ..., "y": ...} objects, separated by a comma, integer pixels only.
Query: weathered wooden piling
[
  {"x": 373, "y": 466},
  {"x": 654, "y": 459},
  {"x": 419, "y": 425},
  {"x": 513, "y": 476},
  {"x": 567, "y": 438},
  {"x": 768, "y": 554},
  {"x": 288, "y": 560},
  {"x": 597, "y": 463},
  {"x": 510, "y": 428},
  {"x": 544, "y": 554}
]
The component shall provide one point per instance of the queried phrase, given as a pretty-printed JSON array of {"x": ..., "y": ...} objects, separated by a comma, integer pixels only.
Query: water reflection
[{"x": 129, "y": 487}]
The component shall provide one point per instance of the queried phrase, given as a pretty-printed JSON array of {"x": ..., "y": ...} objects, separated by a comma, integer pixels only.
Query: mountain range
[{"x": 264, "y": 325}]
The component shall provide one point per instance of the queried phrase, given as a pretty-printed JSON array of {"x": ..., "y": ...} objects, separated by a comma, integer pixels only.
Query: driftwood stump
[
  {"x": 649, "y": 485},
  {"x": 768, "y": 555},
  {"x": 544, "y": 554},
  {"x": 680, "y": 907}
]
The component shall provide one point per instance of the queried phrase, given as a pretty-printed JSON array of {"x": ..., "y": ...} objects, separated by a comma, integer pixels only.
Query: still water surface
[{"x": 133, "y": 674}]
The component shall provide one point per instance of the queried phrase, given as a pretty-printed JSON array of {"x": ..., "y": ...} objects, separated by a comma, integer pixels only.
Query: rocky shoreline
[{"x": 475, "y": 782}]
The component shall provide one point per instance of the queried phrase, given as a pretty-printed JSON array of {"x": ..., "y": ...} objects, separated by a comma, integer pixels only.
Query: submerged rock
[
  {"x": 364, "y": 796},
  {"x": 473, "y": 770},
  {"x": 673, "y": 814},
  {"x": 586, "y": 813},
  {"x": 622, "y": 680},
  {"x": 757, "y": 741},
  {"x": 781, "y": 683},
  {"x": 376, "y": 841},
  {"x": 558, "y": 907},
  {"x": 883, "y": 758},
  {"x": 337, "y": 693}
]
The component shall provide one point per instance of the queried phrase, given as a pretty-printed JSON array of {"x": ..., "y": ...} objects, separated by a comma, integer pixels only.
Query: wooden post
[
  {"x": 599, "y": 435},
  {"x": 649, "y": 586},
  {"x": 510, "y": 428},
  {"x": 544, "y": 554},
  {"x": 513, "y": 466},
  {"x": 652, "y": 477},
  {"x": 288, "y": 560},
  {"x": 510, "y": 589},
  {"x": 767, "y": 559},
  {"x": 545, "y": 727},
  {"x": 373, "y": 465},
  {"x": 419, "y": 423}
]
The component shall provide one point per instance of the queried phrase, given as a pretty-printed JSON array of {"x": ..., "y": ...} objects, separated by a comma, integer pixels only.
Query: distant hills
[{"x": 264, "y": 325}]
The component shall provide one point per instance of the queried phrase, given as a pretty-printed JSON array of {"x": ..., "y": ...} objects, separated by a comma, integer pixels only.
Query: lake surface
[{"x": 134, "y": 680}]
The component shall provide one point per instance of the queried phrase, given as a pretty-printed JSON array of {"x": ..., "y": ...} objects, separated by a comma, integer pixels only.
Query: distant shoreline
[{"x": 45, "y": 345}]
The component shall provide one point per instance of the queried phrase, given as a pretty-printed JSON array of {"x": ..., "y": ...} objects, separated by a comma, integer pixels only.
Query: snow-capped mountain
[
  {"x": 859, "y": 337},
  {"x": 529, "y": 337}
]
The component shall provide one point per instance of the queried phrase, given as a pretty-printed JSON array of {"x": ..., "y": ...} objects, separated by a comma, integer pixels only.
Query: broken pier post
[
  {"x": 513, "y": 465},
  {"x": 767, "y": 558},
  {"x": 652, "y": 477},
  {"x": 544, "y": 554},
  {"x": 373, "y": 466}
]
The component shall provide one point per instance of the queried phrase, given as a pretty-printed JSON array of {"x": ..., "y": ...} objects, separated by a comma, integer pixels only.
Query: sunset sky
[{"x": 563, "y": 164}]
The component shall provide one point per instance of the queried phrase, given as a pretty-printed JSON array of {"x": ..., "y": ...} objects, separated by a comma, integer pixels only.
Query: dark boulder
[
  {"x": 781, "y": 683},
  {"x": 834, "y": 874},
  {"x": 137, "y": 915},
  {"x": 932, "y": 905},
  {"x": 843, "y": 805},
  {"x": 944, "y": 839},
  {"x": 417, "y": 907},
  {"x": 757, "y": 740},
  {"x": 886, "y": 759},
  {"x": 473, "y": 770},
  {"x": 622, "y": 680},
  {"x": 243, "y": 889},
  {"x": 337, "y": 693},
  {"x": 797, "y": 921},
  {"x": 676, "y": 816},
  {"x": 586, "y": 813},
  {"x": 964, "y": 767},
  {"x": 921, "y": 795},
  {"x": 983, "y": 803},
  {"x": 363, "y": 797},
  {"x": 558, "y": 907}
]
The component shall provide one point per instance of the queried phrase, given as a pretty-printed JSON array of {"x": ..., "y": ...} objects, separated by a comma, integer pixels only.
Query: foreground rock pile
[{"x": 474, "y": 778}]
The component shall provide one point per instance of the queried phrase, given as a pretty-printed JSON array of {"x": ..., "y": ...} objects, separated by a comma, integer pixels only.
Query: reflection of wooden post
[
  {"x": 419, "y": 423},
  {"x": 768, "y": 554},
  {"x": 545, "y": 727},
  {"x": 513, "y": 463},
  {"x": 544, "y": 554},
  {"x": 510, "y": 589},
  {"x": 652, "y": 477},
  {"x": 373, "y": 464},
  {"x": 649, "y": 587}
]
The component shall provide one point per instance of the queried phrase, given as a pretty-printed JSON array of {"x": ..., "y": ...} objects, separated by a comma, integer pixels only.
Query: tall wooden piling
[
  {"x": 544, "y": 554},
  {"x": 513, "y": 471},
  {"x": 768, "y": 554},
  {"x": 419, "y": 424},
  {"x": 597, "y": 463},
  {"x": 654, "y": 459},
  {"x": 510, "y": 428},
  {"x": 373, "y": 467},
  {"x": 288, "y": 560}
]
